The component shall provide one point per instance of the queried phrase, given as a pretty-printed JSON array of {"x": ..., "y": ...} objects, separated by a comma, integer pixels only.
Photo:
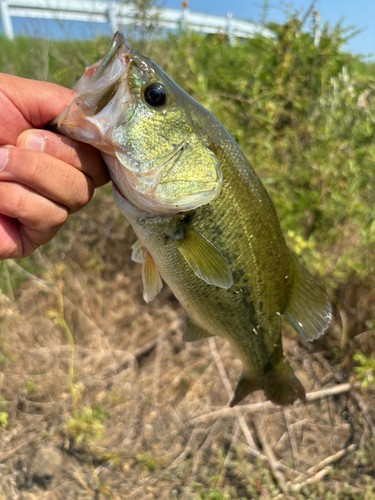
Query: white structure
[{"x": 116, "y": 14}]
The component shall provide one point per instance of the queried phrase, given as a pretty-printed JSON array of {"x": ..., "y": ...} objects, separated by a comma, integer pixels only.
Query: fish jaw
[
  {"x": 84, "y": 119},
  {"x": 158, "y": 159}
]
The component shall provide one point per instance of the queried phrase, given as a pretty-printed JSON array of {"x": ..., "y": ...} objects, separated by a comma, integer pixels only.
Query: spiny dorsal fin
[
  {"x": 137, "y": 253},
  {"x": 308, "y": 310},
  {"x": 193, "y": 332},
  {"x": 152, "y": 283},
  {"x": 204, "y": 259}
]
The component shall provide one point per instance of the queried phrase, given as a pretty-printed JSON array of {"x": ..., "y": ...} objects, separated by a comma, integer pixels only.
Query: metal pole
[
  {"x": 230, "y": 29},
  {"x": 185, "y": 15},
  {"x": 112, "y": 17},
  {"x": 6, "y": 20}
]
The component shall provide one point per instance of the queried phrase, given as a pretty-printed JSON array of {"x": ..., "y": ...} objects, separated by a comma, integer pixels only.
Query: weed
[
  {"x": 4, "y": 416},
  {"x": 147, "y": 462},
  {"x": 85, "y": 426}
]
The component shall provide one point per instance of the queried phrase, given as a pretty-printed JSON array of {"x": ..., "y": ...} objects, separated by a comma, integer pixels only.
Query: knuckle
[
  {"x": 59, "y": 217},
  {"x": 82, "y": 194},
  {"x": 19, "y": 202},
  {"x": 32, "y": 166}
]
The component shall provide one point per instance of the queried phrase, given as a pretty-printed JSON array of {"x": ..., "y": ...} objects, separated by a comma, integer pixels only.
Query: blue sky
[{"x": 359, "y": 13}]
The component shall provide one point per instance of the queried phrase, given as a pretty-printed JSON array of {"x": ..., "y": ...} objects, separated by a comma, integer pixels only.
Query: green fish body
[{"x": 204, "y": 221}]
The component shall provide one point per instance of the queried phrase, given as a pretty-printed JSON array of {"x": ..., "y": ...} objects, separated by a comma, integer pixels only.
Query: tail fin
[
  {"x": 280, "y": 385},
  {"x": 308, "y": 310}
]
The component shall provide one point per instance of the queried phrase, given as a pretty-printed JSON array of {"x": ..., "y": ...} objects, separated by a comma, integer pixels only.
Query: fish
[{"x": 205, "y": 223}]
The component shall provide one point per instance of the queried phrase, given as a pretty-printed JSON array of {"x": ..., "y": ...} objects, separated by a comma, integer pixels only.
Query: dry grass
[{"x": 105, "y": 401}]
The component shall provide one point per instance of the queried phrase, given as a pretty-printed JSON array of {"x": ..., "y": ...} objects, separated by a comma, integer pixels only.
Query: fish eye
[{"x": 155, "y": 95}]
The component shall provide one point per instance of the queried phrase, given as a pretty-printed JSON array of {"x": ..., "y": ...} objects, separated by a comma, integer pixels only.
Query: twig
[
  {"x": 263, "y": 458},
  {"x": 320, "y": 470},
  {"x": 336, "y": 390},
  {"x": 220, "y": 367},
  {"x": 292, "y": 437},
  {"x": 183, "y": 456},
  {"x": 272, "y": 462},
  {"x": 354, "y": 395},
  {"x": 295, "y": 487},
  {"x": 9, "y": 454},
  {"x": 345, "y": 329},
  {"x": 333, "y": 458},
  {"x": 229, "y": 456},
  {"x": 311, "y": 373},
  {"x": 200, "y": 453},
  {"x": 155, "y": 385},
  {"x": 254, "y": 453},
  {"x": 228, "y": 387}
]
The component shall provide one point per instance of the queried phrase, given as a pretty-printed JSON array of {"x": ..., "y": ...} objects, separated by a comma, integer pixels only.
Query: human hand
[{"x": 43, "y": 176}]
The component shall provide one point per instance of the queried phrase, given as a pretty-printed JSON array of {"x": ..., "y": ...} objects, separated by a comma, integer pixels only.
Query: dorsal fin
[
  {"x": 201, "y": 255},
  {"x": 152, "y": 283},
  {"x": 308, "y": 309},
  {"x": 193, "y": 332}
]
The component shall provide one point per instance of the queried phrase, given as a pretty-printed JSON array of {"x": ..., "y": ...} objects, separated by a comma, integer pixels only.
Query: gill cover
[{"x": 128, "y": 108}]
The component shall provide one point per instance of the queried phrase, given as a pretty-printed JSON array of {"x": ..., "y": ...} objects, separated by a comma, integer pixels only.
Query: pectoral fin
[
  {"x": 193, "y": 332},
  {"x": 137, "y": 253},
  {"x": 308, "y": 310},
  {"x": 204, "y": 259},
  {"x": 152, "y": 283}
]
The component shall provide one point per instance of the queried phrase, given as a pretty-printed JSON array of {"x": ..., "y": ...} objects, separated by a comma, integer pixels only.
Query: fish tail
[{"x": 280, "y": 385}]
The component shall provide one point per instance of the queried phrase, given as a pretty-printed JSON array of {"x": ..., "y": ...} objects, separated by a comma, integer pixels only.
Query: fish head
[{"x": 158, "y": 157}]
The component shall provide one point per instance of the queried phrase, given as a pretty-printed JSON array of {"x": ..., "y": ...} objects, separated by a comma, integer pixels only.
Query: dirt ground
[{"x": 101, "y": 398}]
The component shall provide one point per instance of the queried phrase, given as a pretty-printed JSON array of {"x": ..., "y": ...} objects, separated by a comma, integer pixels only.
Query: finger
[
  {"x": 81, "y": 156},
  {"x": 39, "y": 218},
  {"x": 26, "y": 104},
  {"x": 11, "y": 244},
  {"x": 47, "y": 176}
]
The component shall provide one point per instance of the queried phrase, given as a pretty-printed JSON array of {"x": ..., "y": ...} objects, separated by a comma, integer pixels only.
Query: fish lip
[
  {"x": 88, "y": 84},
  {"x": 118, "y": 41}
]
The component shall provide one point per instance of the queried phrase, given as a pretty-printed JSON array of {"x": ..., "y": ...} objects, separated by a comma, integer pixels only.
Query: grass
[{"x": 104, "y": 382}]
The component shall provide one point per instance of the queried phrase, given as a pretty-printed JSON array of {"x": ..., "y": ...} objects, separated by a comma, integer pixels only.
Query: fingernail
[
  {"x": 4, "y": 154},
  {"x": 35, "y": 141}
]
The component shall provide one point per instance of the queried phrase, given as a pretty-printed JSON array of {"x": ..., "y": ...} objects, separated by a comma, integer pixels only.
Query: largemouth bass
[{"x": 204, "y": 221}]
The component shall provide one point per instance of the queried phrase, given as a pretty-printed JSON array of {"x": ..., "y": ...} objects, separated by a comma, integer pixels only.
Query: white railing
[{"x": 116, "y": 14}]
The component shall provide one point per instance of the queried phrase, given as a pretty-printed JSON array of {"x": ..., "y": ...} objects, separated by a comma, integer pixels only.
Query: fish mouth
[
  {"x": 97, "y": 87},
  {"x": 117, "y": 42}
]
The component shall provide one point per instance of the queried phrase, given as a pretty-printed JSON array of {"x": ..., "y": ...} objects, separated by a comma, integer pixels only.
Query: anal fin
[
  {"x": 152, "y": 283},
  {"x": 308, "y": 309},
  {"x": 193, "y": 332}
]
